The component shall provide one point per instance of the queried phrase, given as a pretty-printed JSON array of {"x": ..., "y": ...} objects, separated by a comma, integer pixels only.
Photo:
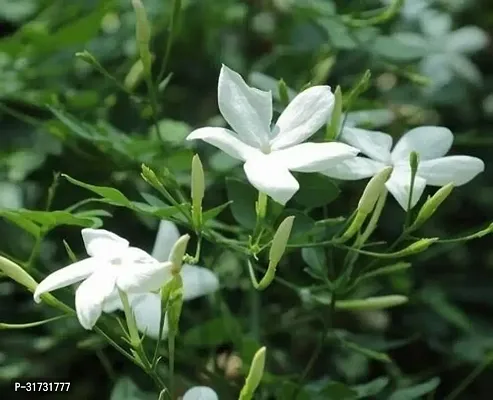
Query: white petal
[
  {"x": 373, "y": 144},
  {"x": 354, "y": 169},
  {"x": 200, "y": 393},
  {"x": 314, "y": 157},
  {"x": 304, "y": 116},
  {"x": 247, "y": 110},
  {"x": 399, "y": 185},
  {"x": 166, "y": 237},
  {"x": 102, "y": 243},
  {"x": 468, "y": 40},
  {"x": 67, "y": 276},
  {"x": 456, "y": 169},
  {"x": 225, "y": 140},
  {"x": 428, "y": 141},
  {"x": 147, "y": 312},
  {"x": 112, "y": 302},
  {"x": 270, "y": 178},
  {"x": 141, "y": 273},
  {"x": 91, "y": 295},
  {"x": 198, "y": 281}
]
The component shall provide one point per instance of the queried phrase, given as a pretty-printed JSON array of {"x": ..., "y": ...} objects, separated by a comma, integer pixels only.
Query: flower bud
[
  {"x": 15, "y": 272},
  {"x": 174, "y": 304},
  {"x": 177, "y": 253},
  {"x": 254, "y": 375},
  {"x": 373, "y": 189},
  {"x": 417, "y": 247},
  {"x": 414, "y": 162},
  {"x": 143, "y": 34},
  {"x": 280, "y": 241},
  {"x": 87, "y": 57},
  {"x": 335, "y": 121},
  {"x": 431, "y": 205},
  {"x": 134, "y": 76},
  {"x": 283, "y": 92},
  {"x": 198, "y": 190},
  {"x": 372, "y": 303}
]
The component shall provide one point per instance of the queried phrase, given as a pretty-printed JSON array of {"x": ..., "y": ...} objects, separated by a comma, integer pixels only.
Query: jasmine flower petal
[
  {"x": 467, "y": 40},
  {"x": 373, "y": 144},
  {"x": 304, "y": 116},
  {"x": 428, "y": 141},
  {"x": 354, "y": 169},
  {"x": 67, "y": 276},
  {"x": 147, "y": 311},
  {"x": 200, "y": 393},
  {"x": 313, "y": 157},
  {"x": 91, "y": 295},
  {"x": 399, "y": 184},
  {"x": 247, "y": 110},
  {"x": 269, "y": 177},
  {"x": 102, "y": 243},
  {"x": 166, "y": 237},
  {"x": 225, "y": 140},
  {"x": 456, "y": 169},
  {"x": 198, "y": 281}
]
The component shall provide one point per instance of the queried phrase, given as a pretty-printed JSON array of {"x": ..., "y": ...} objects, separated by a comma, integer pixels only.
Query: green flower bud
[
  {"x": 15, "y": 272},
  {"x": 283, "y": 92},
  {"x": 87, "y": 57},
  {"x": 414, "y": 162},
  {"x": 177, "y": 253},
  {"x": 134, "y": 76},
  {"x": 372, "y": 303},
  {"x": 280, "y": 241},
  {"x": 335, "y": 121},
  {"x": 431, "y": 205},
  {"x": 373, "y": 189},
  {"x": 198, "y": 190},
  {"x": 143, "y": 34},
  {"x": 254, "y": 375},
  {"x": 417, "y": 247}
]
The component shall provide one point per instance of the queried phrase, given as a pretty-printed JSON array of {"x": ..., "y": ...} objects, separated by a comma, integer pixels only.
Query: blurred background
[{"x": 89, "y": 116}]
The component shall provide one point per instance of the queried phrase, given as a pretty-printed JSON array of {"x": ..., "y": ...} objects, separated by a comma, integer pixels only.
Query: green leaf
[
  {"x": 243, "y": 197},
  {"x": 396, "y": 49},
  {"x": 417, "y": 391},
  {"x": 21, "y": 222},
  {"x": 125, "y": 389},
  {"x": 338, "y": 391},
  {"x": 110, "y": 195},
  {"x": 316, "y": 190},
  {"x": 371, "y": 389},
  {"x": 315, "y": 258},
  {"x": 212, "y": 333},
  {"x": 173, "y": 132},
  {"x": 369, "y": 353},
  {"x": 214, "y": 212}
]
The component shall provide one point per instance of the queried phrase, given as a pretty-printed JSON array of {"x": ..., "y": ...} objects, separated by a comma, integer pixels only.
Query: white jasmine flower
[
  {"x": 430, "y": 142},
  {"x": 197, "y": 281},
  {"x": 271, "y": 153},
  {"x": 112, "y": 265},
  {"x": 200, "y": 393}
]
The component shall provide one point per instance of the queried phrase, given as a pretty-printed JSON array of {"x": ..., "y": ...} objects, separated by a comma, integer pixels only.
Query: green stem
[
  {"x": 255, "y": 312},
  {"x": 154, "y": 108},
  {"x": 171, "y": 360},
  {"x": 129, "y": 316},
  {"x": 469, "y": 379}
]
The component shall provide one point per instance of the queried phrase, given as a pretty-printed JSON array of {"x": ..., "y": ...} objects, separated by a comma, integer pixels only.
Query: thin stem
[
  {"x": 131, "y": 324},
  {"x": 469, "y": 379},
  {"x": 171, "y": 360},
  {"x": 154, "y": 107},
  {"x": 255, "y": 312}
]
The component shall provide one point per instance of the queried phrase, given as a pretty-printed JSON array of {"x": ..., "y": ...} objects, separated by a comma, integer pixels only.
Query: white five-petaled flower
[
  {"x": 431, "y": 143},
  {"x": 271, "y": 153},
  {"x": 112, "y": 265},
  {"x": 197, "y": 281},
  {"x": 200, "y": 393}
]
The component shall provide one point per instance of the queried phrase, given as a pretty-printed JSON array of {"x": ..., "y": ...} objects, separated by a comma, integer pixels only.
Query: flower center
[{"x": 265, "y": 148}]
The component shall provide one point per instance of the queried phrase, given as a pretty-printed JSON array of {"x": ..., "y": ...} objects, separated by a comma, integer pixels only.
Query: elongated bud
[
  {"x": 16, "y": 273},
  {"x": 254, "y": 375},
  {"x": 177, "y": 253},
  {"x": 198, "y": 190},
  {"x": 143, "y": 34},
  {"x": 414, "y": 162},
  {"x": 373, "y": 189},
  {"x": 283, "y": 92},
  {"x": 280, "y": 241},
  {"x": 174, "y": 305},
  {"x": 134, "y": 76},
  {"x": 431, "y": 205},
  {"x": 87, "y": 57},
  {"x": 335, "y": 122},
  {"x": 372, "y": 303},
  {"x": 277, "y": 249},
  {"x": 417, "y": 247}
]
